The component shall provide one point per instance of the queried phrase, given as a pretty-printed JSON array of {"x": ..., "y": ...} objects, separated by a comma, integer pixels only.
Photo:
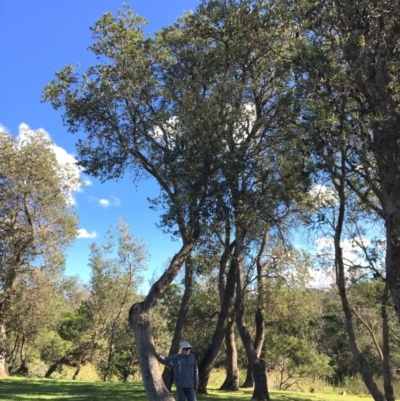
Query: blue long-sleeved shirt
[{"x": 186, "y": 372}]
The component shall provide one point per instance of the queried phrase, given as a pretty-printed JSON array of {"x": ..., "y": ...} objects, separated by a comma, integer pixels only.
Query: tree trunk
[
  {"x": 384, "y": 107},
  {"x": 3, "y": 371},
  {"x": 108, "y": 370},
  {"x": 52, "y": 369},
  {"x": 168, "y": 373},
  {"x": 77, "y": 371},
  {"x": 140, "y": 323},
  {"x": 362, "y": 363},
  {"x": 207, "y": 363},
  {"x": 62, "y": 361},
  {"x": 258, "y": 366},
  {"x": 259, "y": 315},
  {"x": 248, "y": 381},
  {"x": 232, "y": 370},
  {"x": 387, "y": 144},
  {"x": 23, "y": 367},
  {"x": 387, "y": 373}
]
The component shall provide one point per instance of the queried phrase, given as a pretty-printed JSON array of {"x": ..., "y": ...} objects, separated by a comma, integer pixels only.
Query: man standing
[{"x": 186, "y": 373}]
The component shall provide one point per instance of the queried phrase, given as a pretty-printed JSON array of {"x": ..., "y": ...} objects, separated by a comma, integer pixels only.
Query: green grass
[{"x": 20, "y": 389}]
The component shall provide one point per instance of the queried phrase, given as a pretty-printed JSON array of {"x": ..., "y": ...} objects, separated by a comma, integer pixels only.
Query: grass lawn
[{"x": 18, "y": 389}]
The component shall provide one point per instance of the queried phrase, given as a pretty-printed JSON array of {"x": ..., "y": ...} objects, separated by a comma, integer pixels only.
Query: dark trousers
[{"x": 189, "y": 393}]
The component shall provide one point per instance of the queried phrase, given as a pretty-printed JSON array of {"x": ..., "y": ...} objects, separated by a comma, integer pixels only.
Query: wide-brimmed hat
[{"x": 185, "y": 344}]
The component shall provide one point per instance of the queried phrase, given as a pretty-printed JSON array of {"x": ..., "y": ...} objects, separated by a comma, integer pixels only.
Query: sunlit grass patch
[{"x": 22, "y": 389}]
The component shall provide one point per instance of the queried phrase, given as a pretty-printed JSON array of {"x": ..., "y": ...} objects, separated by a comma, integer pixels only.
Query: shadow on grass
[
  {"x": 284, "y": 397},
  {"x": 25, "y": 389},
  {"x": 22, "y": 389},
  {"x": 245, "y": 395}
]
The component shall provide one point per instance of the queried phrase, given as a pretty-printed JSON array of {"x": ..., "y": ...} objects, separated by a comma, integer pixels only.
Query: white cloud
[
  {"x": 4, "y": 129},
  {"x": 352, "y": 252},
  {"x": 115, "y": 201},
  {"x": 112, "y": 201},
  {"x": 104, "y": 202},
  {"x": 83, "y": 233},
  {"x": 322, "y": 278}
]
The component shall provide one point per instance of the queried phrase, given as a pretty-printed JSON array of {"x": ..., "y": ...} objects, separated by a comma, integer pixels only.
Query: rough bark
[
  {"x": 168, "y": 373},
  {"x": 140, "y": 323}
]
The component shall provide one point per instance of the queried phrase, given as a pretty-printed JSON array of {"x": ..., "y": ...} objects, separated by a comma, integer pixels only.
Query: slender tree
[{"x": 37, "y": 221}]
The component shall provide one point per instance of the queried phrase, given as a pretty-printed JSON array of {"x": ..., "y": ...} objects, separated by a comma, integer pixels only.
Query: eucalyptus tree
[
  {"x": 37, "y": 220},
  {"x": 256, "y": 180},
  {"x": 213, "y": 256},
  {"x": 346, "y": 55},
  {"x": 351, "y": 60},
  {"x": 339, "y": 223},
  {"x": 202, "y": 112},
  {"x": 343, "y": 215},
  {"x": 143, "y": 109},
  {"x": 371, "y": 54}
]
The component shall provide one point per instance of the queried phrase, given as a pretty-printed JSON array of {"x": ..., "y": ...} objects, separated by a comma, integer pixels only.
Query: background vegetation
[{"x": 261, "y": 122}]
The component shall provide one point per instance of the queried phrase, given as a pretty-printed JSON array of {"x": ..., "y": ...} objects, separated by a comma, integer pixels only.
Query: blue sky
[{"x": 38, "y": 37}]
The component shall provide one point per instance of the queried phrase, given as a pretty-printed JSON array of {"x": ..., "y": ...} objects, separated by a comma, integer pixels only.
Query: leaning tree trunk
[
  {"x": 358, "y": 355},
  {"x": 259, "y": 315},
  {"x": 258, "y": 366},
  {"x": 3, "y": 371},
  {"x": 140, "y": 323},
  {"x": 53, "y": 368},
  {"x": 232, "y": 379},
  {"x": 207, "y": 363},
  {"x": 77, "y": 371},
  {"x": 168, "y": 373},
  {"x": 258, "y": 343},
  {"x": 387, "y": 372},
  {"x": 231, "y": 382},
  {"x": 80, "y": 365}
]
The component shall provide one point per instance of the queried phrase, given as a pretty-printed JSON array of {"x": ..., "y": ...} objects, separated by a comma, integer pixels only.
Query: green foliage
[
  {"x": 74, "y": 323},
  {"x": 37, "y": 221},
  {"x": 52, "y": 346},
  {"x": 234, "y": 110}
]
